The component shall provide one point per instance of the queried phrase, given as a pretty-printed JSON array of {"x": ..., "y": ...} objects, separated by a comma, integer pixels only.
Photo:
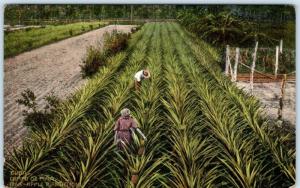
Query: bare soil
[
  {"x": 265, "y": 78},
  {"x": 51, "y": 68},
  {"x": 269, "y": 93}
]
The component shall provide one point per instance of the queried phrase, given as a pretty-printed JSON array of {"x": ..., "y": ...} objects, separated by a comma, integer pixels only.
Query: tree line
[
  {"x": 241, "y": 25},
  {"x": 19, "y": 14}
]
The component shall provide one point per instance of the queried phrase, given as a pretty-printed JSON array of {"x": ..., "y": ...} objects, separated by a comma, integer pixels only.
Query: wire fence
[
  {"x": 263, "y": 65},
  {"x": 265, "y": 60}
]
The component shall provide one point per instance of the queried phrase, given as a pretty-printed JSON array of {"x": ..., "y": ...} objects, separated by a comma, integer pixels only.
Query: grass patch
[{"x": 23, "y": 40}]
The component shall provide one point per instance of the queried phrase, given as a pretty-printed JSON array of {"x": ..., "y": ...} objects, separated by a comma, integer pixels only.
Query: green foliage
[
  {"x": 251, "y": 113},
  {"x": 28, "y": 99},
  {"x": 42, "y": 155},
  {"x": 30, "y": 45},
  {"x": 53, "y": 103},
  {"x": 113, "y": 43},
  {"x": 223, "y": 28},
  {"x": 28, "y": 29},
  {"x": 19, "y": 41},
  {"x": 285, "y": 31},
  {"x": 92, "y": 62},
  {"x": 52, "y": 14},
  {"x": 202, "y": 131}
]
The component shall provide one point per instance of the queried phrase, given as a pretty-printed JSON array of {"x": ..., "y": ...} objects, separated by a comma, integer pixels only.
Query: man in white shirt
[{"x": 139, "y": 76}]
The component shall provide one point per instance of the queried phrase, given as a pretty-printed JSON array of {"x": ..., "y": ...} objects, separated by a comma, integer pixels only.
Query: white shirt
[{"x": 139, "y": 76}]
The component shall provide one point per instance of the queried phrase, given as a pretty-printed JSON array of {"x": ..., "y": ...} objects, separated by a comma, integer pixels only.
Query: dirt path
[
  {"x": 269, "y": 93},
  {"x": 52, "y": 68}
]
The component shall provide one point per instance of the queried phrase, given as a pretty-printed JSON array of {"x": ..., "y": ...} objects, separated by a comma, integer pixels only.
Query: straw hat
[
  {"x": 125, "y": 112},
  {"x": 146, "y": 73}
]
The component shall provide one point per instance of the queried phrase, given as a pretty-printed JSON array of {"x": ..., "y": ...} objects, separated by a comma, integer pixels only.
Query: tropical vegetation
[
  {"x": 202, "y": 130},
  {"x": 40, "y": 14},
  {"x": 229, "y": 28},
  {"x": 96, "y": 57}
]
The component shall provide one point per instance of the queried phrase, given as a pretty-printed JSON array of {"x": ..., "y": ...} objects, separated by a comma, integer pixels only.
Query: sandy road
[{"x": 51, "y": 68}]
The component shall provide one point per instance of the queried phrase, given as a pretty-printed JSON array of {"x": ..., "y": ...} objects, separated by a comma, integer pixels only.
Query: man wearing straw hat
[
  {"x": 124, "y": 128},
  {"x": 139, "y": 76}
]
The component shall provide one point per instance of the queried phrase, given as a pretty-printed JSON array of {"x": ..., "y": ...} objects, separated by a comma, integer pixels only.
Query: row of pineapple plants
[
  {"x": 221, "y": 121},
  {"x": 256, "y": 157},
  {"x": 202, "y": 131},
  {"x": 98, "y": 166},
  {"x": 190, "y": 154},
  {"x": 121, "y": 95},
  {"x": 42, "y": 147},
  {"x": 42, "y": 151},
  {"x": 145, "y": 159},
  {"x": 278, "y": 144}
]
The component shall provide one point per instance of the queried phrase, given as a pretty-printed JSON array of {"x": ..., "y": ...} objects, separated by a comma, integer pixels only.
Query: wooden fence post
[
  {"x": 276, "y": 61},
  {"x": 281, "y": 98},
  {"x": 131, "y": 13},
  {"x": 227, "y": 60},
  {"x": 280, "y": 46},
  {"x": 230, "y": 68},
  {"x": 253, "y": 68},
  {"x": 237, "y": 53}
]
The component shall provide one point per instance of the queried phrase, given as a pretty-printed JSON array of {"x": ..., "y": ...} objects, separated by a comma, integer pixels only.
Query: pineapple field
[{"x": 202, "y": 131}]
